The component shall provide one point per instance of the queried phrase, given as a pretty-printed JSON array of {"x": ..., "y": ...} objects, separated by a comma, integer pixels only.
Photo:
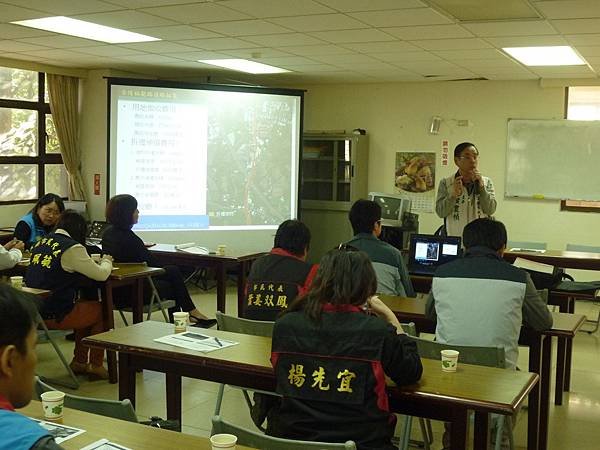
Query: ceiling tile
[
  {"x": 277, "y": 8},
  {"x": 108, "y": 50},
  {"x": 10, "y": 13},
  {"x": 382, "y": 47},
  {"x": 407, "y": 57},
  {"x": 371, "y": 5},
  {"x": 245, "y": 27},
  {"x": 577, "y": 26},
  {"x": 526, "y": 41},
  {"x": 149, "y": 59},
  {"x": 401, "y": 17},
  {"x": 479, "y": 10},
  {"x": 312, "y": 68},
  {"x": 282, "y": 40},
  {"x": 569, "y": 9},
  {"x": 14, "y": 46},
  {"x": 65, "y": 7},
  {"x": 350, "y": 36},
  {"x": 160, "y": 47},
  {"x": 486, "y": 53},
  {"x": 371, "y": 66},
  {"x": 135, "y": 4},
  {"x": 258, "y": 52},
  {"x": 589, "y": 51},
  {"x": 584, "y": 39},
  {"x": 496, "y": 65},
  {"x": 177, "y": 32},
  {"x": 287, "y": 60},
  {"x": 428, "y": 31},
  {"x": 452, "y": 44},
  {"x": 125, "y": 19},
  {"x": 60, "y": 41},
  {"x": 557, "y": 70},
  {"x": 509, "y": 76},
  {"x": 199, "y": 54},
  {"x": 325, "y": 49},
  {"x": 56, "y": 53},
  {"x": 9, "y": 31},
  {"x": 515, "y": 28},
  {"x": 197, "y": 13},
  {"x": 319, "y": 22},
  {"x": 219, "y": 43},
  {"x": 429, "y": 67},
  {"x": 345, "y": 59}
]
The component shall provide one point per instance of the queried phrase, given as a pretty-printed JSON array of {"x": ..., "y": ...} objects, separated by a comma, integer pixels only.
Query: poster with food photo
[{"x": 414, "y": 178}]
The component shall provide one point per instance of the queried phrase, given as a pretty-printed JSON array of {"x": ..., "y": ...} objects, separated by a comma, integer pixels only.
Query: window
[
  {"x": 30, "y": 161},
  {"x": 583, "y": 103}
]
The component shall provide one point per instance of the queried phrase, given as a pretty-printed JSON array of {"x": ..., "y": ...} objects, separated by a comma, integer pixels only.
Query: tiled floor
[{"x": 574, "y": 425}]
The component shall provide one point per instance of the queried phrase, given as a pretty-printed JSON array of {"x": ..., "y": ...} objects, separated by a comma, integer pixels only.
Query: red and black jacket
[{"x": 331, "y": 375}]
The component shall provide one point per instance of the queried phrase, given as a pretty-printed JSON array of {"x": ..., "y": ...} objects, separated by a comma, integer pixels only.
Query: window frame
[{"x": 42, "y": 159}]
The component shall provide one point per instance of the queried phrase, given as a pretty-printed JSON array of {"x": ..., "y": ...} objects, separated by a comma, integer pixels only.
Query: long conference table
[
  {"x": 564, "y": 328},
  {"x": 168, "y": 254},
  {"x": 438, "y": 395}
]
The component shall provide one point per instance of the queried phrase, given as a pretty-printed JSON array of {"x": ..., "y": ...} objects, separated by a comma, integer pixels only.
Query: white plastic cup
[
  {"x": 181, "y": 320},
  {"x": 53, "y": 403},
  {"x": 96, "y": 257},
  {"x": 16, "y": 281},
  {"x": 449, "y": 360},
  {"x": 221, "y": 249},
  {"x": 223, "y": 441}
]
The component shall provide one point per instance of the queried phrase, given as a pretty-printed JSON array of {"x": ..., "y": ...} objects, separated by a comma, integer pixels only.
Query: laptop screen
[{"x": 428, "y": 252}]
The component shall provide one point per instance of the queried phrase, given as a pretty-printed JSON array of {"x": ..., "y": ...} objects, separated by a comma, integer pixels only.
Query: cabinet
[{"x": 334, "y": 175}]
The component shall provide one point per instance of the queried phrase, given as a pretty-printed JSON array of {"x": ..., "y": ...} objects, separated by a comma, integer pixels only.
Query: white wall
[{"x": 397, "y": 116}]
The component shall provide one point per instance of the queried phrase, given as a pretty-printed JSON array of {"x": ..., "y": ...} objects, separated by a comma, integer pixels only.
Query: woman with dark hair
[
  {"x": 40, "y": 220},
  {"x": 331, "y": 358},
  {"x": 125, "y": 246},
  {"x": 60, "y": 263}
]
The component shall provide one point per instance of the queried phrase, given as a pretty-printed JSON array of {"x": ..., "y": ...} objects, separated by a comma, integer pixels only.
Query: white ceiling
[{"x": 320, "y": 41}]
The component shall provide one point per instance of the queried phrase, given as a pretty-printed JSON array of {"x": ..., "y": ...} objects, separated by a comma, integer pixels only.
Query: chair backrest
[
  {"x": 527, "y": 245},
  {"x": 410, "y": 328},
  {"x": 244, "y": 326},
  {"x": 110, "y": 408},
  {"x": 583, "y": 248},
  {"x": 480, "y": 356},
  {"x": 265, "y": 442}
]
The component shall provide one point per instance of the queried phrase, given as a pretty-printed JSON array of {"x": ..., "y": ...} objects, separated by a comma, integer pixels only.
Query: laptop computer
[
  {"x": 95, "y": 231},
  {"x": 428, "y": 252}
]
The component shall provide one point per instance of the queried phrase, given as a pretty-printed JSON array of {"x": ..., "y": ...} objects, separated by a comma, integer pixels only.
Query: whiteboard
[{"x": 554, "y": 159}]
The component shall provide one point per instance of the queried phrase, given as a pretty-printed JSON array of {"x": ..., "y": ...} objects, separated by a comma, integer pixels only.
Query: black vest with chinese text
[{"x": 45, "y": 272}]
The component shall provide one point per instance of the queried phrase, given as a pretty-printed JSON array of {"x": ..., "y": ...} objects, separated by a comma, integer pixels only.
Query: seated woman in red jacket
[
  {"x": 125, "y": 246},
  {"x": 331, "y": 358}
]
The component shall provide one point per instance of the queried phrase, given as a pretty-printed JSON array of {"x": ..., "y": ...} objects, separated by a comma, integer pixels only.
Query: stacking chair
[
  {"x": 45, "y": 335},
  {"x": 156, "y": 304},
  {"x": 265, "y": 442},
  {"x": 481, "y": 356},
  {"x": 122, "y": 410},
  {"x": 527, "y": 245},
  {"x": 587, "y": 249}
]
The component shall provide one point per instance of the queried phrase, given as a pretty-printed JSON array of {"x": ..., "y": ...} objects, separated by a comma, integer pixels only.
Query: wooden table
[
  {"x": 564, "y": 328},
  {"x": 129, "y": 434},
  {"x": 42, "y": 293},
  {"x": 559, "y": 258},
  {"x": 167, "y": 254},
  {"x": 438, "y": 395},
  {"x": 132, "y": 274}
]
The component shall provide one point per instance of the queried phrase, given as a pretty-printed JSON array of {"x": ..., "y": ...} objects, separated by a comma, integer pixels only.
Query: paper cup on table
[
  {"x": 449, "y": 360},
  {"x": 181, "y": 321},
  {"x": 222, "y": 441},
  {"x": 221, "y": 249},
  {"x": 53, "y": 404},
  {"x": 16, "y": 281},
  {"x": 96, "y": 257}
]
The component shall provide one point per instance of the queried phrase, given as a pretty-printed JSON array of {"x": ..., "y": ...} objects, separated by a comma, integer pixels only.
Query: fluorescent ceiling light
[
  {"x": 87, "y": 30},
  {"x": 243, "y": 65},
  {"x": 561, "y": 55}
]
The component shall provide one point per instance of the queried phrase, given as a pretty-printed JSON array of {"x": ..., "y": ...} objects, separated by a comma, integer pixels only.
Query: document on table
[
  {"x": 104, "y": 444},
  {"x": 196, "y": 341},
  {"x": 525, "y": 250},
  {"x": 60, "y": 432},
  {"x": 533, "y": 265}
]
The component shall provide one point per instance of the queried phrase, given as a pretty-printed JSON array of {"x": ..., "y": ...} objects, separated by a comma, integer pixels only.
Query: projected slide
[{"x": 205, "y": 159}]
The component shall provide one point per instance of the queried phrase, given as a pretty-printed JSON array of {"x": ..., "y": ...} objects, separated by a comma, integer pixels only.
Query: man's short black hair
[
  {"x": 18, "y": 315},
  {"x": 460, "y": 147},
  {"x": 488, "y": 233},
  {"x": 363, "y": 215},
  {"x": 293, "y": 236}
]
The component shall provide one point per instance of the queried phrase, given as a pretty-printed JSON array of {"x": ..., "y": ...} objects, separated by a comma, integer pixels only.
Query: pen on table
[{"x": 218, "y": 342}]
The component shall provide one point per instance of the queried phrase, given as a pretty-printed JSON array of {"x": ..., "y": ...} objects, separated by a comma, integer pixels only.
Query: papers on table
[
  {"x": 532, "y": 265},
  {"x": 104, "y": 444},
  {"x": 191, "y": 247},
  {"x": 59, "y": 432},
  {"x": 196, "y": 341},
  {"x": 532, "y": 250}
]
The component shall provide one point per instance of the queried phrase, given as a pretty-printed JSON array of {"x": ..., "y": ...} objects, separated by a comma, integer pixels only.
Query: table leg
[
  {"x": 458, "y": 434},
  {"x": 138, "y": 300},
  {"x": 533, "y": 414},
  {"x": 481, "y": 432},
  {"x": 241, "y": 287},
  {"x": 545, "y": 392},
  {"x": 173, "y": 396},
  {"x": 109, "y": 324},
  {"x": 569, "y": 351},
  {"x": 126, "y": 378},
  {"x": 221, "y": 286},
  {"x": 561, "y": 358}
]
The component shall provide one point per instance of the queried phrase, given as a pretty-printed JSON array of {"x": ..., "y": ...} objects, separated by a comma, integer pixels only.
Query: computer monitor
[
  {"x": 393, "y": 207},
  {"x": 428, "y": 252}
]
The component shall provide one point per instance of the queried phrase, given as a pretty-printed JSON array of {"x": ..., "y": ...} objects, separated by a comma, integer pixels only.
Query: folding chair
[
  {"x": 156, "y": 304},
  {"x": 45, "y": 335}
]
